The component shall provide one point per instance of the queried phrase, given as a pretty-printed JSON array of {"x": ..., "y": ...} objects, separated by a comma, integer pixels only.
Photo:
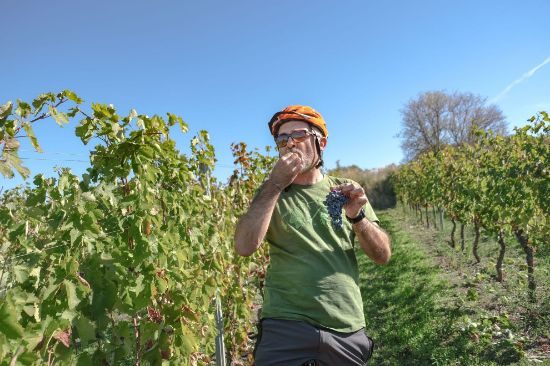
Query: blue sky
[{"x": 227, "y": 66}]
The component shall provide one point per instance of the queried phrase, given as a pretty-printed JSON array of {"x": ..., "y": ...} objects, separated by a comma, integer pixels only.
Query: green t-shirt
[{"x": 313, "y": 274}]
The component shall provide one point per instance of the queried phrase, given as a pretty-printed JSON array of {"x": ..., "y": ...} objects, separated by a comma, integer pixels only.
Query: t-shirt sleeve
[{"x": 369, "y": 213}]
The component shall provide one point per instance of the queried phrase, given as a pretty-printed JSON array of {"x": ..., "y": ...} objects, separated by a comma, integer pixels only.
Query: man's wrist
[
  {"x": 357, "y": 218},
  {"x": 277, "y": 186}
]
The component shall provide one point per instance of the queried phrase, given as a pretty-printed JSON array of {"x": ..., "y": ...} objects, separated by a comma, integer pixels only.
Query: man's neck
[{"x": 310, "y": 177}]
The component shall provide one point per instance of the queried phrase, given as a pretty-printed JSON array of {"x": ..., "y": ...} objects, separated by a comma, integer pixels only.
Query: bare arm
[
  {"x": 374, "y": 241},
  {"x": 253, "y": 225}
]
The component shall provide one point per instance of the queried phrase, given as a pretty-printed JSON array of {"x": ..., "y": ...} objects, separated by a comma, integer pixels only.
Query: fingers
[
  {"x": 350, "y": 190},
  {"x": 357, "y": 192},
  {"x": 291, "y": 160},
  {"x": 287, "y": 168}
]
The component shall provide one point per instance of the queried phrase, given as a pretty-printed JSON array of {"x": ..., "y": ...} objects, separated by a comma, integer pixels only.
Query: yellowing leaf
[
  {"x": 72, "y": 298},
  {"x": 59, "y": 117}
]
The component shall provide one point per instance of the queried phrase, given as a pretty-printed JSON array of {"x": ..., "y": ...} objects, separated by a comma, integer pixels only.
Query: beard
[{"x": 308, "y": 160}]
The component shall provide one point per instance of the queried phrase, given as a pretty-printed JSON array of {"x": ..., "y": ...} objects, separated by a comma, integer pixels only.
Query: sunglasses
[{"x": 297, "y": 136}]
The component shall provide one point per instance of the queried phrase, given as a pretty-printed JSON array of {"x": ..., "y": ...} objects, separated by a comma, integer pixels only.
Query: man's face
[{"x": 306, "y": 149}]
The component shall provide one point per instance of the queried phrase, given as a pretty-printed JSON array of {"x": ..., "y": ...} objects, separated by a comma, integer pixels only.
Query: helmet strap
[
  {"x": 319, "y": 152},
  {"x": 318, "y": 145}
]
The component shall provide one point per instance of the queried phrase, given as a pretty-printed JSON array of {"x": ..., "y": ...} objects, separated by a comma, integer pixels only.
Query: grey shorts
[{"x": 293, "y": 343}]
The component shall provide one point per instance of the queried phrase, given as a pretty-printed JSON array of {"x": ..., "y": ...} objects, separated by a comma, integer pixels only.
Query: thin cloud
[{"x": 524, "y": 77}]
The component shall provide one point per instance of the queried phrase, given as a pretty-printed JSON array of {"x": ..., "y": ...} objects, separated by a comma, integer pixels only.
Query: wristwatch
[{"x": 358, "y": 218}]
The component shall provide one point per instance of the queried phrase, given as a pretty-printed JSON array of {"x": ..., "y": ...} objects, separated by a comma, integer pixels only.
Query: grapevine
[
  {"x": 120, "y": 266},
  {"x": 499, "y": 184}
]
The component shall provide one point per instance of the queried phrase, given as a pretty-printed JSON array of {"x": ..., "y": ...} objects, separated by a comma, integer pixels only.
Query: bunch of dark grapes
[{"x": 335, "y": 201}]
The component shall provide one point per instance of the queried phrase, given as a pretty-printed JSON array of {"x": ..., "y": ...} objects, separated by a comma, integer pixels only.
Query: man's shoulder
[{"x": 339, "y": 180}]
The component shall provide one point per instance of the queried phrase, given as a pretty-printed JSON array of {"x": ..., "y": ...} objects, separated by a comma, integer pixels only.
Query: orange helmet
[{"x": 297, "y": 113}]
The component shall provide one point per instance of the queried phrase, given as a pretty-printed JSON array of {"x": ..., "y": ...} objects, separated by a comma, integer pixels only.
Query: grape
[{"x": 335, "y": 201}]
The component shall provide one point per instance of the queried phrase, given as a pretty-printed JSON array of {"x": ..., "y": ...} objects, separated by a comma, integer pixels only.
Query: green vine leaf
[{"x": 8, "y": 322}]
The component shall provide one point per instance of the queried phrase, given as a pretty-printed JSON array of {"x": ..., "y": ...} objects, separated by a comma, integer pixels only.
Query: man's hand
[
  {"x": 356, "y": 198},
  {"x": 286, "y": 169}
]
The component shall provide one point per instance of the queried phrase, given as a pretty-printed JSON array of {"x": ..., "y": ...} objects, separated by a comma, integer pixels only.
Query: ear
[{"x": 323, "y": 142}]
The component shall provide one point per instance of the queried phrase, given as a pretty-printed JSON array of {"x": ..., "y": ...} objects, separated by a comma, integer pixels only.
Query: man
[{"x": 312, "y": 312}]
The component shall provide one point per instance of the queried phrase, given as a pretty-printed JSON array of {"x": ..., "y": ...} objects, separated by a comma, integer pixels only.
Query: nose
[{"x": 289, "y": 142}]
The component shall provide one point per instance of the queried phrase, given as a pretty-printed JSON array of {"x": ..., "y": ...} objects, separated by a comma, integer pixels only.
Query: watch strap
[{"x": 358, "y": 218}]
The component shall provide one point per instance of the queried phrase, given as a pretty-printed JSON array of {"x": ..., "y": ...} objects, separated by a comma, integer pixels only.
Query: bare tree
[
  {"x": 424, "y": 121},
  {"x": 435, "y": 119},
  {"x": 468, "y": 112}
]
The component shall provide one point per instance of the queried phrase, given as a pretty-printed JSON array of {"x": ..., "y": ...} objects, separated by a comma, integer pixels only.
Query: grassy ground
[{"x": 433, "y": 305}]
